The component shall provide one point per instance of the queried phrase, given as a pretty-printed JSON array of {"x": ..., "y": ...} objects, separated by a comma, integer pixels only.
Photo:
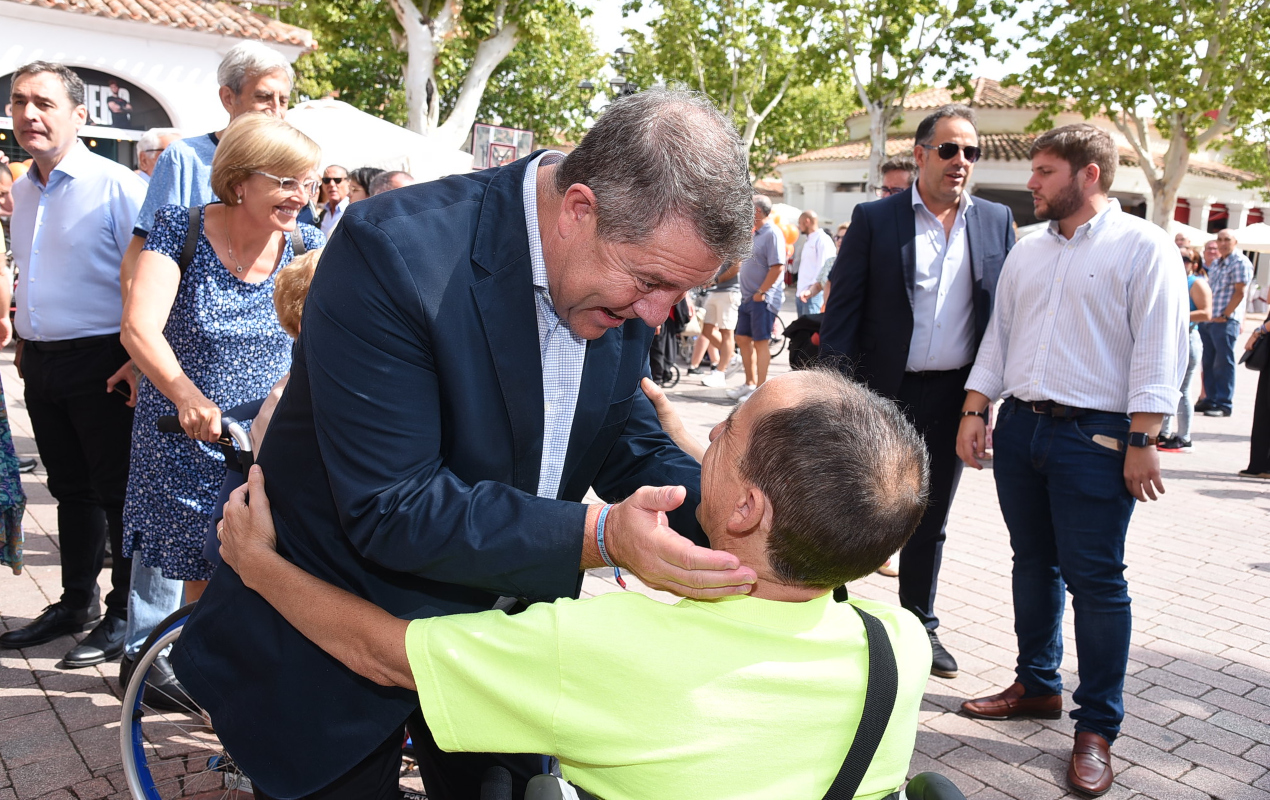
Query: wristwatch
[
  {"x": 981, "y": 414},
  {"x": 1140, "y": 439}
]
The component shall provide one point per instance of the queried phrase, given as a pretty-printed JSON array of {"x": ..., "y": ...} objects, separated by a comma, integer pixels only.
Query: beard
[{"x": 1062, "y": 205}]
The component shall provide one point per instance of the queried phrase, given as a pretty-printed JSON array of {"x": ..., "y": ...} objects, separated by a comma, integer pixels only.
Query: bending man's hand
[
  {"x": 638, "y": 538},
  {"x": 247, "y": 533},
  {"x": 670, "y": 421}
]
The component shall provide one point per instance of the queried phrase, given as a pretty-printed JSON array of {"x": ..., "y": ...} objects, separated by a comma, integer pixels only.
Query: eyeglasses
[
  {"x": 289, "y": 185},
  {"x": 948, "y": 151},
  {"x": 886, "y": 191},
  {"x": 332, "y": 180},
  {"x": 154, "y": 150}
]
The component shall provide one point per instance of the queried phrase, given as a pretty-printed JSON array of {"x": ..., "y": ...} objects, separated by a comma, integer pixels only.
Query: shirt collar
[
  {"x": 530, "y": 195},
  {"x": 1094, "y": 225},
  {"x": 72, "y": 164},
  {"x": 962, "y": 207}
]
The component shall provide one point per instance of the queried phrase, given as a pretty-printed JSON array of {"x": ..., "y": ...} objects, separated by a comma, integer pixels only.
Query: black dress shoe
[
  {"x": 942, "y": 664},
  {"x": 56, "y": 620},
  {"x": 104, "y": 643},
  {"x": 163, "y": 691}
]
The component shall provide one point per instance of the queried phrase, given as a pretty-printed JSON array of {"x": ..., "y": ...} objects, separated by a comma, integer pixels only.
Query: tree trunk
[
  {"x": 1164, "y": 191},
  {"x": 880, "y": 113},
  {"x": 489, "y": 54}
]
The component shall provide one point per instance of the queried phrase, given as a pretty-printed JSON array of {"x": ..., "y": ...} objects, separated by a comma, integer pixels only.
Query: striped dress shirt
[
  {"x": 1098, "y": 321},
  {"x": 563, "y": 351}
]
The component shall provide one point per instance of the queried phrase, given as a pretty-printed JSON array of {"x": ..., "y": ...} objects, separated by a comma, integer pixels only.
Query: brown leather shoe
[
  {"x": 1090, "y": 769},
  {"x": 1011, "y": 703}
]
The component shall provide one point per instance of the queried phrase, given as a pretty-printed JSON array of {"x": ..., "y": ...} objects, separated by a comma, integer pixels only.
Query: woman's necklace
[{"x": 238, "y": 268}]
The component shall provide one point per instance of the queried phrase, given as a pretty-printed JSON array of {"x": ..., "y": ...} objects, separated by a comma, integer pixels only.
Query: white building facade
[{"x": 153, "y": 67}]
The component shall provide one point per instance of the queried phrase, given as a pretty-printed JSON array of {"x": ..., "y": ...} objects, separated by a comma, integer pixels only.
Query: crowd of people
[{"x": 416, "y": 494}]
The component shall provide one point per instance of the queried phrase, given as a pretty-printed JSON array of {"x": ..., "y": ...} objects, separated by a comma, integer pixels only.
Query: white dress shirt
[
  {"x": 331, "y": 218},
  {"x": 1098, "y": 321},
  {"x": 816, "y": 249},
  {"x": 69, "y": 236},
  {"x": 563, "y": 351},
  {"x": 943, "y": 292}
]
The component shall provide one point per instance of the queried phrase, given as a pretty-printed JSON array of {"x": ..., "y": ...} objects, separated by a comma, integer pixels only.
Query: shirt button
[{"x": 1035, "y": 382}]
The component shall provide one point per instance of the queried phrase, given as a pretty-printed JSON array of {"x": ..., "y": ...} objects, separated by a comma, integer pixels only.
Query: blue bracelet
[{"x": 604, "y": 553}]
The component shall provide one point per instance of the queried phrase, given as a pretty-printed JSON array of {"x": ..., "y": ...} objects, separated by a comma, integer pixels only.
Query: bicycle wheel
[
  {"x": 776, "y": 345},
  {"x": 170, "y": 754}
]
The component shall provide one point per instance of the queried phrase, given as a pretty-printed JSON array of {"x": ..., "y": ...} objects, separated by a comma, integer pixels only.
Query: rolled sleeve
[{"x": 1158, "y": 315}]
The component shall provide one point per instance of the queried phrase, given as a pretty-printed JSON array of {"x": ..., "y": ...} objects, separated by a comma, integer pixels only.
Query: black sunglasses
[
  {"x": 332, "y": 180},
  {"x": 948, "y": 150}
]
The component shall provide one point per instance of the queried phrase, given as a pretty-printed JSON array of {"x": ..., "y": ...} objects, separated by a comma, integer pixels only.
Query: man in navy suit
[
  {"x": 468, "y": 367},
  {"x": 912, "y": 293}
]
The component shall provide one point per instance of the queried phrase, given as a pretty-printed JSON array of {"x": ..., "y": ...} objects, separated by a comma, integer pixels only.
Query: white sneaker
[
  {"x": 744, "y": 390},
  {"x": 734, "y": 366},
  {"x": 715, "y": 379}
]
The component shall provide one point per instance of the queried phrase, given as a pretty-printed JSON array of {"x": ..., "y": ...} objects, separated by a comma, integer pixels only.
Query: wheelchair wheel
[
  {"x": 776, "y": 345},
  {"x": 671, "y": 376},
  {"x": 172, "y": 753}
]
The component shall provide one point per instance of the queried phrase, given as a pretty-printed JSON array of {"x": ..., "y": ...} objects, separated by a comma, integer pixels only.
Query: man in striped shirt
[{"x": 1088, "y": 346}]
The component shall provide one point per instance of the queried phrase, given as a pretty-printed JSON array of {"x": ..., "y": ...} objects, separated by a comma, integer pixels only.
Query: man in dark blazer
[
  {"x": 468, "y": 367},
  {"x": 912, "y": 293}
]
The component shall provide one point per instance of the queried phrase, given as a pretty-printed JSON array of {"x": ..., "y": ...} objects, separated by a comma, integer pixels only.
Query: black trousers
[
  {"x": 446, "y": 776},
  {"x": 83, "y": 434},
  {"x": 661, "y": 354},
  {"x": 932, "y": 402},
  {"x": 1259, "y": 447}
]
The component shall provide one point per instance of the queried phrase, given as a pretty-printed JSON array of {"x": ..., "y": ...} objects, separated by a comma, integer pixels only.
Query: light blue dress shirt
[
  {"x": 69, "y": 237},
  {"x": 563, "y": 351},
  {"x": 182, "y": 177},
  {"x": 943, "y": 296}
]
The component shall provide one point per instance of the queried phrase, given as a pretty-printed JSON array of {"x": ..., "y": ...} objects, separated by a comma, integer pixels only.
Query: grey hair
[
  {"x": 926, "y": 128},
  {"x": 151, "y": 138},
  {"x": 763, "y": 204},
  {"x": 249, "y": 59},
  {"x": 73, "y": 83},
  {"x": 663, "y": 155},
  {"x": 383, "y": 181}
]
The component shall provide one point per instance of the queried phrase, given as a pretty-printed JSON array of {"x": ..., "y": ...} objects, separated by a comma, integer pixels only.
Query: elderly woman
[{"x": 205, "y": 335}]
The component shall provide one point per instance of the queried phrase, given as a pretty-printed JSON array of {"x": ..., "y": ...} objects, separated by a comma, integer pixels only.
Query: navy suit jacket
[
  {"x": 868, "y": 322},
  {"x": 402, "y": 465}
]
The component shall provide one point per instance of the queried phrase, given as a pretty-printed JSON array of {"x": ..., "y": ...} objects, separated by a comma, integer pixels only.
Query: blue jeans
[
  {"x": 812, "y": 306},
  {"x": 1186, "y": 406},
  {"x": 1064, "y": 500},
  {"x": 1219, "y": 361},
  {"x": 151, "y": 597}
]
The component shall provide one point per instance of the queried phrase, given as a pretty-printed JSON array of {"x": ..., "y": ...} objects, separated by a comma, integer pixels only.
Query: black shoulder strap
[
  {"x": 297, "y": 242},
  {"x": 879, "y": 701},
  {"x": 191, "y": 238}
]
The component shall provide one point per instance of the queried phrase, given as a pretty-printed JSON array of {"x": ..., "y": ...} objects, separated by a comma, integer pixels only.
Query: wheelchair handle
[{"x": 233, "y": 433}]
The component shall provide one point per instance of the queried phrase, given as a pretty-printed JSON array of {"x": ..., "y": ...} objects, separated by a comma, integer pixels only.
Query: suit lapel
[
  {"x": 599, "y": 375},
  {"x": 907, "y": 227},
  {"x": 505, "y": 299},
  {"x": 974, "y": 240}
]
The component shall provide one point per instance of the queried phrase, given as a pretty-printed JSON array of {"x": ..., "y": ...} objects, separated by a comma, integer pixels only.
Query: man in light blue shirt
[
  {"x": 762, "y": 293},
  {"x": 71, "y": 222}
]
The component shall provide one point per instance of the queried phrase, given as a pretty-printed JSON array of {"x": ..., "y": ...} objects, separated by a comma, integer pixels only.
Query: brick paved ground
[{"x": 1198, "y": 694}]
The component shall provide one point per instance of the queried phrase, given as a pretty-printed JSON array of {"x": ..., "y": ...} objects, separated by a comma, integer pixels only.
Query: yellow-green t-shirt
[{"x": 729, "y": 699}]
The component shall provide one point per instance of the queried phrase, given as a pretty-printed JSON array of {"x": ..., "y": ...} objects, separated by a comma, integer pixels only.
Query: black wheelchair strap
[
  {"x": 879, "y": 701},
  {"x": 191, "y": 240}
]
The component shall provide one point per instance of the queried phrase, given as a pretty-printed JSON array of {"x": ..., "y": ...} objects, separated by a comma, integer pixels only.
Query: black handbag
[{"x": 1256, "y": 358}]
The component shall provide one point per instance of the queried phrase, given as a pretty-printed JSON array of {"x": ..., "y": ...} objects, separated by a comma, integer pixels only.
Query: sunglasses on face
[
  {"x": 949, "y": 150},
  {"x": 332, "y": 180}
]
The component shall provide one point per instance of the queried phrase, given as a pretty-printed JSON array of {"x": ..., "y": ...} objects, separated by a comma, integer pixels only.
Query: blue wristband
[{"x": 599, "y": 541}]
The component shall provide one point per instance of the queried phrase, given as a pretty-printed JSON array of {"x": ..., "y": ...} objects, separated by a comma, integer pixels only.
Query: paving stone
[
  {"x": 1229, "y": 765},
  {"x": 1222, "y": 787},
  {"x": 41, "y": 777},
  {"x": 1242, "y": 725},
  {"x": 1183, "y": 704},
  {"x": 1170, "y": 765},
  {"x": 1157, "y": 787},
  {"x": 1244, "y": 706},
  {"x": 1209, "y": 677},
  {"x": 1205, "y": 731},
  {"x": 32, "y": 738},
  {"x": 93, "y": 790}
]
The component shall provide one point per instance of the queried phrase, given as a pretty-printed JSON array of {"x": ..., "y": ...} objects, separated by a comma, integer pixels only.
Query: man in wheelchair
[{"x": 813, "y": 483}]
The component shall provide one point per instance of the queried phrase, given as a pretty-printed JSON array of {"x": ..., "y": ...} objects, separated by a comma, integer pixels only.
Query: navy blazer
[
  {"x": 402, "y": 465},
  {"x": 868, "y": 322}
]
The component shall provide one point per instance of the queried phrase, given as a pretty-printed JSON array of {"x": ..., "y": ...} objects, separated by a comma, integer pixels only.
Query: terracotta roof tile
[
  {"x": 987, "y": 94},
  {"x": 1002, "y": 147},
  {"x": 212, "y": 16}
]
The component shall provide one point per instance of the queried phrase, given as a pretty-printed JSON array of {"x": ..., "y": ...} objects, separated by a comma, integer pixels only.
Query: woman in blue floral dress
[{"x": 209, "y": 339}]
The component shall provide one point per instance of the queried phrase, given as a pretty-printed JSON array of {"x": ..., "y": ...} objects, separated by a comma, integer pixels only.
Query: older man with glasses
[
  {"x": 1228, "y": 277},
  {"x": 898, "y": 175},
  {"x": 912, "y": 333}
]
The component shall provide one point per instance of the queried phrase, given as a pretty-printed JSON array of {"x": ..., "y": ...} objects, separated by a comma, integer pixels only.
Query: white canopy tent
[
  {"x": 1255, "y": 238},
  {"x": 353, "y": 138}
]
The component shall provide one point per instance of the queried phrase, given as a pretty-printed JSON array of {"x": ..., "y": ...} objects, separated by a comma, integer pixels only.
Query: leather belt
[
  {"x": 1049, "y": 408},
  {"x": 70, "y": 344}
]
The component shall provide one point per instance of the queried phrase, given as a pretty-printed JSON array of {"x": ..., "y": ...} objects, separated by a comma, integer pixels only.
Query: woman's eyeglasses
[
  {"x": 289, "y": 185},
  {"x": 949, "y": 150}
]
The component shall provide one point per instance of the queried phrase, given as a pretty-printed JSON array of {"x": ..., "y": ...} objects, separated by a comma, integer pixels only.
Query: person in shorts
[{"x": 762, "y": 292}]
